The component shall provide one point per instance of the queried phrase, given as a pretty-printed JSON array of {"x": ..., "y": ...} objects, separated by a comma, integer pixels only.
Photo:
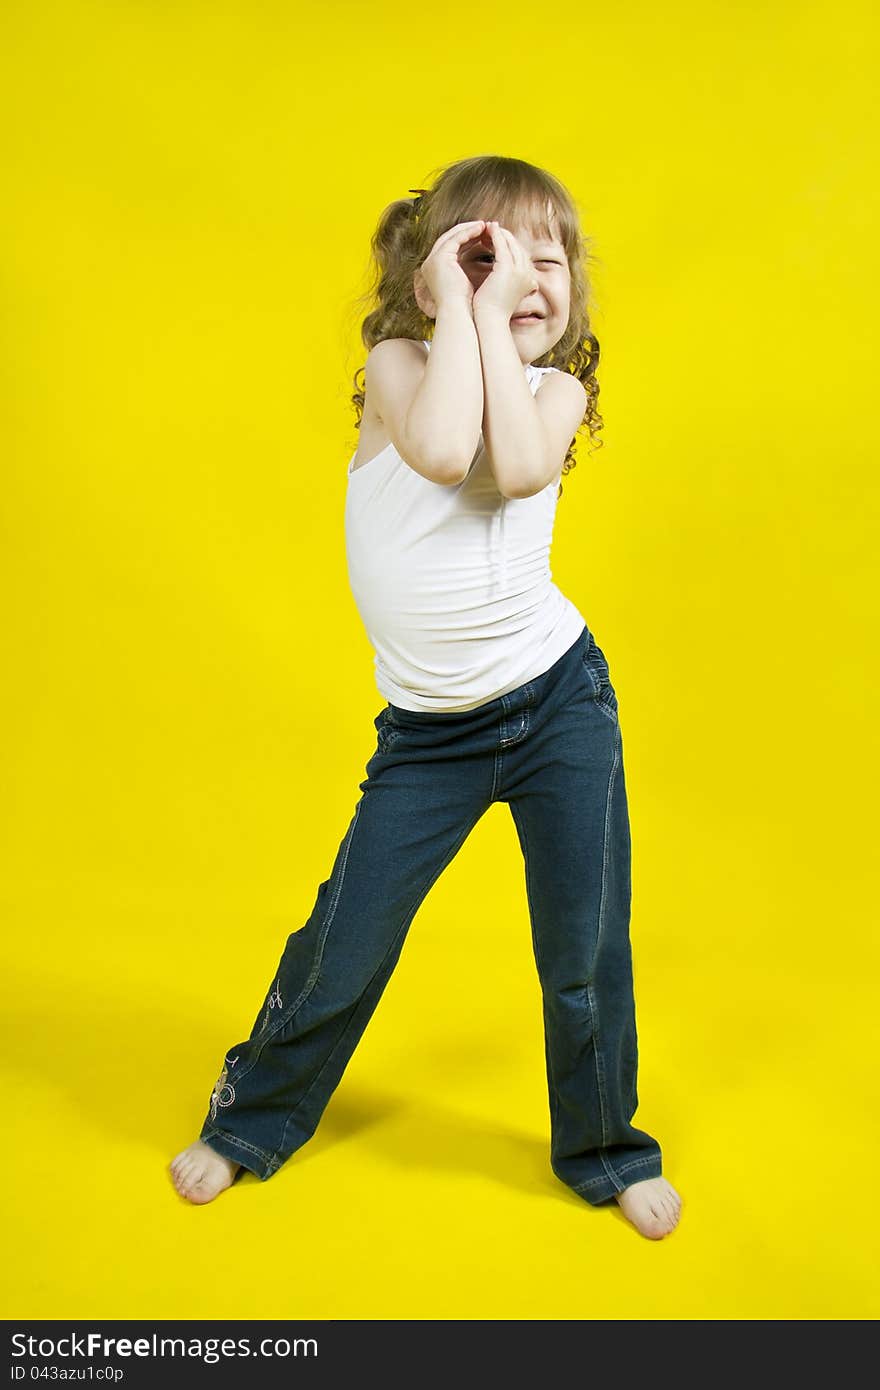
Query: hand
[
  {"x": 440, "y": 277},
  {"x": 512, "y": 276}
]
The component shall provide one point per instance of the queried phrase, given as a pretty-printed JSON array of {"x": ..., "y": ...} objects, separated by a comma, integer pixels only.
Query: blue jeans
[{"x": 551, "y": 749}]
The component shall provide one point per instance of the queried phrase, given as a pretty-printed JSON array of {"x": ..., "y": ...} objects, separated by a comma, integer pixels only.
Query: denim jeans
[{"x": 551, "y": 749}]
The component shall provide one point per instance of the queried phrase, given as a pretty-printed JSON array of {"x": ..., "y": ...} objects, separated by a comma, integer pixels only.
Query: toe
[
  {"x": 190, "y": 1175},
  {"x": 662, "y": 1219},
  {"x": 670, "y": 1196}
]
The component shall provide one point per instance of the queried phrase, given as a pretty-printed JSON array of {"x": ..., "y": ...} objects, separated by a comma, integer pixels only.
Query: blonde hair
[{"x": 503, "y": 189}]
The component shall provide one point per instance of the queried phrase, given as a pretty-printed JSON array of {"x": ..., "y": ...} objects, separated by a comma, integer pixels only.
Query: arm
[
  {"x": 431, "y": 405},
  {"x": 444, "y": 417},
  {"x": 525, "y": 437}
]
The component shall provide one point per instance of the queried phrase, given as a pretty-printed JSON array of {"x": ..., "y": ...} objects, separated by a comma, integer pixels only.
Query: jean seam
[
  {"x": 420, "y": 896},
  {"x": 607, "y": 711},
  {"x": 600, "y": 1069},
  {"x": 512, "y": 739},
  {"x": 613, "y": 1173},
  {"x": 240, "y": 1143},
  {"x": 598, "y": 692},
  {"x": 319, "y": 955},
  {"x": 496, "y": 774},
  {"x": 520, "y": 825}
]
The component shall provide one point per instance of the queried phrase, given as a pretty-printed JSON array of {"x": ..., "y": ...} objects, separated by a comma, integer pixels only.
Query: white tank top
[{"x": 452, "y": 582}]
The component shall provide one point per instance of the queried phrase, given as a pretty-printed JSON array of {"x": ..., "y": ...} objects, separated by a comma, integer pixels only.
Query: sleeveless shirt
[{"x": 452, "y": 581}]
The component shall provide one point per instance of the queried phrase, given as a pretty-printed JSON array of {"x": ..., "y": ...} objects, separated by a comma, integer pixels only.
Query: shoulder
[
  {"x": 563, "y": 392},
  {"x": 392, "y": 353},
  {"x": 393, "y": 372}
]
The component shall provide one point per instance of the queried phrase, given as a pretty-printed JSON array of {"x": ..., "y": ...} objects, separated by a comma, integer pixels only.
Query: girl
[{"x": 495, "y": 686}]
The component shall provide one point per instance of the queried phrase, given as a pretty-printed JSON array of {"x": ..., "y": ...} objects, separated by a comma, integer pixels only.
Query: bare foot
[
  {"x": 200, "y": 1174},
  {"x": 653, "y": 1206}
]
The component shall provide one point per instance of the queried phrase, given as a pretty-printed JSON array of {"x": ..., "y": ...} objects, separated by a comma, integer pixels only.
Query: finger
[
  {"x": 513, "y": 244},
  {"x": 462, "y": 231},
  {"x": 455, "y": 245},
  {"x": 521, "y": 256},
  {"x": 514, "y": 248},
  {"x": 468, "y": 229},
  {"x": 499, "y": 244}
]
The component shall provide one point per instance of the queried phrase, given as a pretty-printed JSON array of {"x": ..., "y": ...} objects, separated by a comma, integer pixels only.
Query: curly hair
[{"x": 510, "y": 191}]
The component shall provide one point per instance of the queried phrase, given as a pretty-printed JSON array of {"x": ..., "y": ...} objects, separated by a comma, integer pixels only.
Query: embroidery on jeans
[
  {"x": 274, "y": 998},
  {"x": 223, "y": 1092}
]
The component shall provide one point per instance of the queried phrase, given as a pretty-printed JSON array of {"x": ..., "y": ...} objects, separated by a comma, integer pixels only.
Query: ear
[{"x": 423, "y": 295}]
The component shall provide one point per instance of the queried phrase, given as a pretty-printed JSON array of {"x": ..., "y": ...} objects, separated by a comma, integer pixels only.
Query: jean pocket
[{"x": 599, "y": 680}]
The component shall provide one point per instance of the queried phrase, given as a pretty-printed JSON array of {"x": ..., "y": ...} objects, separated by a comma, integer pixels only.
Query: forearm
[
  {"x": 446, "y": 413},
  {"x": 513, "y": 435}
]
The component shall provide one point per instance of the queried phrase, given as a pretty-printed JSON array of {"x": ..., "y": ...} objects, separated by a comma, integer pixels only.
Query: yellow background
[{"x": 188, "y": 698}]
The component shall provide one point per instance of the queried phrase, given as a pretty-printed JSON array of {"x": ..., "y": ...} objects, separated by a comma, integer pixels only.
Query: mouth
[{"x": 527, "y": 318}]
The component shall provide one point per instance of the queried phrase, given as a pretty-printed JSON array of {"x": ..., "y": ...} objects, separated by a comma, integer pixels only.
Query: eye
[{"x": 549, "y": 262}]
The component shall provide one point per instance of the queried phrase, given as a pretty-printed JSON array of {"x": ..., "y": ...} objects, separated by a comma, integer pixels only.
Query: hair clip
[{"x": 417, "y": 200}]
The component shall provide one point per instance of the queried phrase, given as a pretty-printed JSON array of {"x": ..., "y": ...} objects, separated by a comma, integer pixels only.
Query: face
[{"x": 550, "y": 301}]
